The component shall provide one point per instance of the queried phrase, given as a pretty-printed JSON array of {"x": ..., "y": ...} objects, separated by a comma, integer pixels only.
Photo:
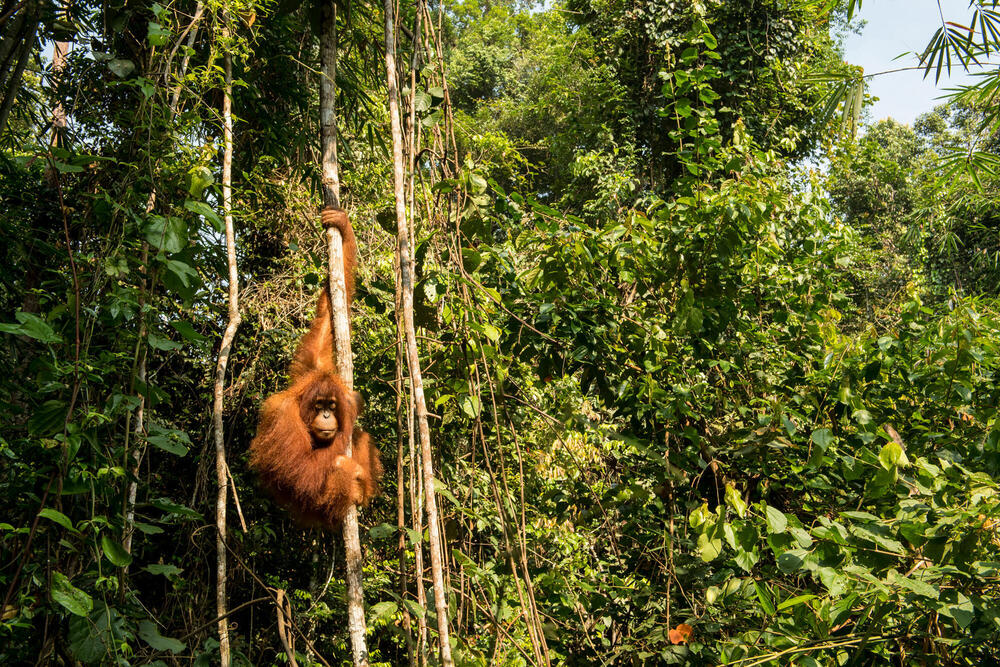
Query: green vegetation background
[{"x": 677, "y": 375}]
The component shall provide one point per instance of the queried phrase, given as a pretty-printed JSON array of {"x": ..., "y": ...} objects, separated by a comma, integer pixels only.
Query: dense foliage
[{"x": 693, "y": 402}]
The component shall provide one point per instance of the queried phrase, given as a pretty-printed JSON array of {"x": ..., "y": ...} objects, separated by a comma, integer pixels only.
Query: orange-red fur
[
  {"x": 316, "y": 481},
  {"x": 337, "y": 217}
]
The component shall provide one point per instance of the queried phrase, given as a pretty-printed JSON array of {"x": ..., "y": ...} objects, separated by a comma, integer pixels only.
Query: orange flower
[{"x": 681, "y": 634}]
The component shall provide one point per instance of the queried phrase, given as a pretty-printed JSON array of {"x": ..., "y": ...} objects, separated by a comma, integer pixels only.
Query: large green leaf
[
  {"x": 151, "y": 635},
  {"x": 58, "y": 517},
  {"x": 69, "y": 596},
  {"x": 776, "y": 520},
  {"x": 32, "y": 326},
  {"x": 115, "y": 552},
  {"x": 166, "y": 234}
]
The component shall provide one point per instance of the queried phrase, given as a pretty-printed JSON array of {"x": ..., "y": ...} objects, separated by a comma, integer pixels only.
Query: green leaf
[
  {"x": 85, "y": 645},
  {"x": 381, "y": 531},
  {"x": 115, "y": 552},
  {"x": 477, "y": 183},
  {"x": 471, "y": 259},
  {"x": 205, "y": 211},
  {"x": 442, "y": 488},
  {"x": 776, "y": 521},
  {"x": 791, "y": 561},
  {"x": 121, "y": 67},
  {"x": 880, "y": 536},
  {"x": 414, "y": 608},
  {"x": 148, "y": 529},
  {"x": 91, "y": 638},
  {"x": 892, "y": 457},
  {"x": 921, "y": 588},
  {"x": 160, "y": 343},
  {"x": 471, "y": 405},
  {"x": 166, "y": 234},
  {"x": 151, "y": 635},
  {"x": 172, "y": 441},
  {"x": 491, "y": 332},
  {"x": 199, "y": 178},
  {"x": 69, "y": 596},
  {"x": 185, "y": 329},
  {"x": 764, "y": 597},
  {"x": 958, "y": 607},
  {"x": 168, "y": 571},
  {"x": 801, "y": 536},
  {"x": 49, "y": 418},
  {"x": 421, "y": 100},
  {"x": 862, "y": 417},
  {"x": 701, "y": 518},
  {"x": 709, "y": 547},
  {"x": 432, "y": 119},
  {"x": 58, "y": 517},
  {"x": 157, "y": 35},
  {"x": 747, "y": 559},
  {"x": 182, "y": 272},
  {"x": 167, "y": 506},
  {"x": 823, "y": 438},
  {"x": 735, "y": 501},
  {"x": 32, "y": 326},
  {"x": 382, "y": 610},
  {"x": 797, "y": 600}
]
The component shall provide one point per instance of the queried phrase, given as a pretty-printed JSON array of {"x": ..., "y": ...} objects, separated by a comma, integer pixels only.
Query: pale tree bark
[
  {"x": 339, "y": 314},
  {"x": 411, "y": 656},
  {"x": 415, "y": 485},
  {"x": 138, "y": 430},
  {"x": 417, "y": 503},
  {"x": 221, "y": 467},
  {"x": 59, "y": 51},
  {"x": 405, "y": 276}
]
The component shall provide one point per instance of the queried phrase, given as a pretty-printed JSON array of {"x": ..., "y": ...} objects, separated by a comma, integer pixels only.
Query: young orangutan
[{"x": 299, "y": 451}]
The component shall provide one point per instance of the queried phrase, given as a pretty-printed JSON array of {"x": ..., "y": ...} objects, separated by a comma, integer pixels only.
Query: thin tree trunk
[
  {"x": 221, "y": 467},
  {"x": 417, "y": 502},
  {"x": 415, "y": 486},
  {"x": 137, "y": 451},
  {"x": 328, "y": 107},
  {"x": 411, "y": 655},
  {"x": 405, "y": 276},
  {"x": 404, "y": 413},
  {"x": 59, "y": 51},
  {"x": 340, "y": 324},
  {"x": 139, "y": 429}
]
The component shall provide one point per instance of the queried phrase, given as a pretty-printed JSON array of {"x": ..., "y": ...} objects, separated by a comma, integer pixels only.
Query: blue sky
[{"x": 896, "y": 26}]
